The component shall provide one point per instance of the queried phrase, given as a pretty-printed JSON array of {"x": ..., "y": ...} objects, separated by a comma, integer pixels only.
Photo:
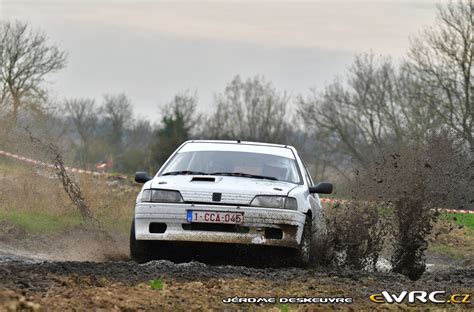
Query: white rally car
[{"x": 228, "y": 192}]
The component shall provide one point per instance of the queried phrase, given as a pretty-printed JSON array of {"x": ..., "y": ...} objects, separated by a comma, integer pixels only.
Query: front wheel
[
  {"x": 302, "y": 255},
  {"x": 139, "y": 250}
]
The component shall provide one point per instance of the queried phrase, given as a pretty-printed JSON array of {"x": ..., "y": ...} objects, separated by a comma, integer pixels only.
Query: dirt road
[
  {"x": 123, "y": 286},
  {"x": 82, "y": 271}
]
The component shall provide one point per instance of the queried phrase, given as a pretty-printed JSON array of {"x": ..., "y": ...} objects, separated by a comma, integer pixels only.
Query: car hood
[{"x": 234, "y": 190}]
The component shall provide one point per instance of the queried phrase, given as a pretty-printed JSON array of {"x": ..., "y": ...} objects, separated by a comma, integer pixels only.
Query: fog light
[{"x": 273, "y": 233}]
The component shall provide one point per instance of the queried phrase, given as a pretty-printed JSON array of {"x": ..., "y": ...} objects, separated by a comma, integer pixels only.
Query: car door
[{"x": 313, "y": 199}]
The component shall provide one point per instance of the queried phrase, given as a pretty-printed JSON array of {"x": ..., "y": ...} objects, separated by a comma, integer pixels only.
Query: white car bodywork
[{"x": 237, "y": 194}]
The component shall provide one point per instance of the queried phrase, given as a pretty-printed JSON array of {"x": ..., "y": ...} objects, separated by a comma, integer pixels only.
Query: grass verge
[
  {"x": 41, "y": 222},
  {"x": 464, "y": 219},
  {"x": 455, "y": 237}
]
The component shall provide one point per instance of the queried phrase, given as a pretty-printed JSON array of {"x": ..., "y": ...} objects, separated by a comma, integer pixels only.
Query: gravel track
[{"x": 33, "y": 284}]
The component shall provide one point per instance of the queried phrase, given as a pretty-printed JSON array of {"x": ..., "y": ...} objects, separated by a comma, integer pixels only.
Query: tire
[
  {"x": 139, "y": 250},
  {"x": 302, "y": 255}
]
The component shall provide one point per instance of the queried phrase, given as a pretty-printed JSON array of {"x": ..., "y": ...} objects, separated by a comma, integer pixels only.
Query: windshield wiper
[
  {"x": 244, "y": 175},
  {"x": 185, "y": 172}
]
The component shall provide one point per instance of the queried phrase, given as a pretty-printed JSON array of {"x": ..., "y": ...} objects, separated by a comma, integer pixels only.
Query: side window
[{"x": 307, "y": 175}]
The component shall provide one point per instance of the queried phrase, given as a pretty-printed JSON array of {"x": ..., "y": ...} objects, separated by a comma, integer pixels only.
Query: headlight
[
  {"x": 161, "y": 196},
  {"x": 275, "y": 202}
]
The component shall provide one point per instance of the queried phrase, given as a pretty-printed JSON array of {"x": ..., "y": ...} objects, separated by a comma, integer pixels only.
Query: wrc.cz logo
[{"x": 418, "y": 296}]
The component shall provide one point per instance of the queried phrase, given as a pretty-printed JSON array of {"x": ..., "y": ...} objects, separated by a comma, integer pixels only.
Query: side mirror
[
  {"x": 142, "y": 177},
  {"x": 321, "y": 188}
]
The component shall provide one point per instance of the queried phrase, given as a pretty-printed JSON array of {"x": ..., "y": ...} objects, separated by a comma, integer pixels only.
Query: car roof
[
  {"x": 239, "y": 142},
  {"x": 242, "y": 146}
]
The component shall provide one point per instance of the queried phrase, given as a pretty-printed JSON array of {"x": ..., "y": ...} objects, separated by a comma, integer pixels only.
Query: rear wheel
[{"x": 139, "y": 249}]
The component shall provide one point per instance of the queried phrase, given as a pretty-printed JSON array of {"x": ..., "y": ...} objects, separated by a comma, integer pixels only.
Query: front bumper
[{"x": 258, "y": 222}]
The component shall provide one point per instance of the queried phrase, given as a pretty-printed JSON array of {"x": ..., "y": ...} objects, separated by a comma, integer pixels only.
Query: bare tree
[
  {"x": 355, "y": 115},
  {"x": 26, "y": 59},
  {"x": 178, "y": 124},
  {"x": 376, "y": 105},
  {"x": 183, "y": 107},
  {"x": 250, "y": 110},
  {"x": 442, "y": 58},
  {"x": 82, "y": 114},
  {"x": 118, "y": 114},
  {"x": 418, "y": 120},
  {"x": 136, "y": 155}
]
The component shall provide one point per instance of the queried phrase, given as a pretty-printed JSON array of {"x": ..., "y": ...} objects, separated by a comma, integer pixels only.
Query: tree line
[{"x": 379, "y": 103}]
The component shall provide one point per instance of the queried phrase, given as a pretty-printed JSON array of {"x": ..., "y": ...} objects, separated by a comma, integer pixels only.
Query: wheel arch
[{"x": 309, "y": 213}]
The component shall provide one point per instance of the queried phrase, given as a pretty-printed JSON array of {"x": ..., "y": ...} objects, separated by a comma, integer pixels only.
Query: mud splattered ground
[
  {"x": 123, "y": 285},
  {"x": 80, "y": 270},
  {"x": 35, "y": 285}
]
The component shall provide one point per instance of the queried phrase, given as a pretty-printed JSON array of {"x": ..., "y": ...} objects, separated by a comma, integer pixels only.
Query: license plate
[{"x": 215, "y": 217}]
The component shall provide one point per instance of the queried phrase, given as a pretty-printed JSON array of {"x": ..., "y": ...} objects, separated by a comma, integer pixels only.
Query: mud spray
[
  {"x": 394, "y": 202},
  {"x": 89, "y": 241}
]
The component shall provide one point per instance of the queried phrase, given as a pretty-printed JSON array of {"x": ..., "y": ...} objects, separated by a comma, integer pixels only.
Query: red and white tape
[
  {"x": 43, "y": 164},
  {"x": 459, "y": 211},
  {"x": 332, "y": 200}
]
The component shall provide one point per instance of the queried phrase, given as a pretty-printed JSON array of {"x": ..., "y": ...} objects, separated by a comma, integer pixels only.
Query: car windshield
[{"x": 242, "y": 164}]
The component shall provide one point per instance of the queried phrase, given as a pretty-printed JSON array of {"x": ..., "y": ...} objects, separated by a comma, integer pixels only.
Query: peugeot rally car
[{"x": 228, "y": 192}]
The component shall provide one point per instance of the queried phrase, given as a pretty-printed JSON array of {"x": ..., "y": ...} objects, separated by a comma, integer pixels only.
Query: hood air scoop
[{"x": 203, "y": 179}]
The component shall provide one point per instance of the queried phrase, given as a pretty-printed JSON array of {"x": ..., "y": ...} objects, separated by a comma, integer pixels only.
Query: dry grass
[{"x": 33, "y": 197}]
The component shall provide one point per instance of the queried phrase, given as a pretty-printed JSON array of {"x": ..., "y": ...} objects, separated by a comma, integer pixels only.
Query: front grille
[
  {"x": 236, "y": 198},
  {"x": 226, "y": 198},
  {"x": 229, "y": 228}
]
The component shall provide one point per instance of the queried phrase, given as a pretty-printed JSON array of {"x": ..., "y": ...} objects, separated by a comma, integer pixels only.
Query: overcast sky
[{"x": 151, "y": 50}]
